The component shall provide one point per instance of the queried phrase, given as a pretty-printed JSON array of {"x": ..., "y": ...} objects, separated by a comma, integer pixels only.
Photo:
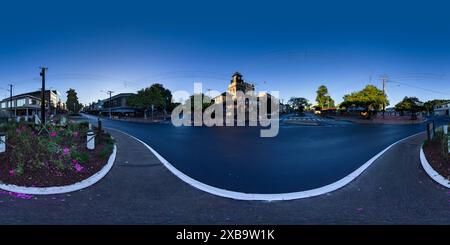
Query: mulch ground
[
  {"x": 50, "y": 175},
  {"x": 433, "y": 153}
]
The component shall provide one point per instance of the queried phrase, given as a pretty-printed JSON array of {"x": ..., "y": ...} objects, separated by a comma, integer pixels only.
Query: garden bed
[
  {"x": 436, "y": 153},
  {"x": 54, "y": 156}
]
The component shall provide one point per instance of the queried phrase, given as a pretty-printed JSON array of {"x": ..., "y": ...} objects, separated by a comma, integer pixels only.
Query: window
[
  {"x": 20, "y": 102},
  {"x": 4, "y": 105}
]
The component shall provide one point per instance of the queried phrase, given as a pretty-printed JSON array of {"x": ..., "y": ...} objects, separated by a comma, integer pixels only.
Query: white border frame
[{"x": 431, "y": 172}]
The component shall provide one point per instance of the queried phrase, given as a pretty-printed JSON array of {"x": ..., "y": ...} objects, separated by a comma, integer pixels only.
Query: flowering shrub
[
  {"x": 59, "y": 149},
  {"x": 436, "y": 152}
]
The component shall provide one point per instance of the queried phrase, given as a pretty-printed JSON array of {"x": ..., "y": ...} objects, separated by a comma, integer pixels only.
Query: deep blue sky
[{"x": 290, "y": 46}]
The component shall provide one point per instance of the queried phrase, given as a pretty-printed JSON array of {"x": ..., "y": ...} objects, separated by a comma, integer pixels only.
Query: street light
[{"x": 110, "y": 104}]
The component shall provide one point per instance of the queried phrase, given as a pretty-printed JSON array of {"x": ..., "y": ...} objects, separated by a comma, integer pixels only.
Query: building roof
[
  {"x": 118, "y": 96},
  {"x": 445, "y": 102},
  {"x": 441, "y": 104},
  {"x": 237, "y": 74},
  {"x": 30, "y": 94},
  {"x": 20, "y": 96}
]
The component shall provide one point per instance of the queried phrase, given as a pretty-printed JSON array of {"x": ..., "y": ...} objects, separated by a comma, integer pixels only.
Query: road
[
  {"x": 140, "y": 190},
  {"x": 237, "y": 159}
]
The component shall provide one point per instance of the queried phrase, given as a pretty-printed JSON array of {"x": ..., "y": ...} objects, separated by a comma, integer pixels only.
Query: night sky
[{"x": 288, "y": 46}]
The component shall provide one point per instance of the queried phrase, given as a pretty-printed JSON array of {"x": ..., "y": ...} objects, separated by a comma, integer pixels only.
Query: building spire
[{"x": 236, "y": 78}]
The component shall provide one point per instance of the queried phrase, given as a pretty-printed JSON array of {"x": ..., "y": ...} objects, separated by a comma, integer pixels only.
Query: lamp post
[{"x": 43, "y": 71}]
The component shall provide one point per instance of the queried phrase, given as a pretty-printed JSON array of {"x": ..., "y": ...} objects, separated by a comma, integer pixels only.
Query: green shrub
[
  {"x": 442, "y": 140},
  {"x": 31, "y": 147},
  {"x": 81, "y": 157},
  {"x": 106, "y": 150}
]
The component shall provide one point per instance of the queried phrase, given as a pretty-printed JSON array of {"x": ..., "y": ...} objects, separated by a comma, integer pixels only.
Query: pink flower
[
  {"x": 78, "y": 167},
  {"x": 11, "y": 172},
  {"x": 53, "y": 134},
  {"x": 20, "y": 129},
  {"x": 66, "y": 151},
  {"x": 75, "y": 134},
  {"x": 20, "y": 195}
]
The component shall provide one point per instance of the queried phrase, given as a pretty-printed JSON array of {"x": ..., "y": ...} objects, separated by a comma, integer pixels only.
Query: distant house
[
  {"x": 94, "y": 108},
  {"x": 20, "y": 106},
  {"x": 328, "y": 111},
  {"x": 29, "y": 104},
  {"x": 53, "y": 103},
  {"x": 442, "y": 109},
  {"x": 118, "y": 106},
  {"x": 354, "y": 110}
]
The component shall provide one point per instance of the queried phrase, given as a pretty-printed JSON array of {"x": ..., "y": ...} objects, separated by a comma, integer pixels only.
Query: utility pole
[
  {"x": 43, "y": 71},
  {"x": 10, "y": 99},
  {"x": 384, "y": 79},
  {"x": 110, "y": 102}
]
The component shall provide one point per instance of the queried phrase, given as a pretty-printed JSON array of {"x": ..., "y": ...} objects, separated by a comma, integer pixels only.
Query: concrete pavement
[{"x": 140, "y": 190}]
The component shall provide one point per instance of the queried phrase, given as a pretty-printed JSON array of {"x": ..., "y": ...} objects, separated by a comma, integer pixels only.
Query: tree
[
  {"x": 429, "y": 105},
  {"x": 323, "y": 99},
  {"x": 156, "y": 95},
  {"x": 410, "y": 104},
  {"x": 72, "y": 101},
  {"x": 371, "y": 98},
  {"x": 203, "y": 98},
  {"x": 298, "y": 103}
]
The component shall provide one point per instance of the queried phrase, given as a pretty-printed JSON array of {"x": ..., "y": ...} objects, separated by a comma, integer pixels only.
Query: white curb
[
  {"x": 66, "y": 188},
  {"x": 431, "y": 172},
  {"x": 265, "y": 197}
]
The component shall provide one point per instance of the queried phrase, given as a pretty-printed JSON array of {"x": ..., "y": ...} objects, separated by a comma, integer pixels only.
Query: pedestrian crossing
[
  {"x": 293, "y": 121},
  {"x": 306, "y": 119}
]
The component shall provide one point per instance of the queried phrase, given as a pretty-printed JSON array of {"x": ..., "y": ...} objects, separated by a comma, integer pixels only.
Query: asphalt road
[
  {"x": 140, "y": 190},
  {"x": 237, "y": 159}
]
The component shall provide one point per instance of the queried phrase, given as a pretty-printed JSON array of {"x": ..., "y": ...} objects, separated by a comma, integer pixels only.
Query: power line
[
  {"x": 384, "y": 78},
  {"x": 417, "y": 87},
  {"x": 418, "y": 76}
]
